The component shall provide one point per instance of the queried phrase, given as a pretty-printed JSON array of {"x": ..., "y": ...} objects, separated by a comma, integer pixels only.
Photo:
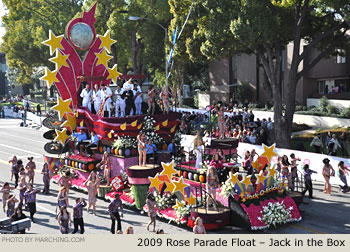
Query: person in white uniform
[
  {"x": 137, "y": 97},
  {"x": 96, "y": 97},
  {"x": 106, "y": 97},
  {"x": 86, "y": 95},
  {"x": 119, "y": 102}
]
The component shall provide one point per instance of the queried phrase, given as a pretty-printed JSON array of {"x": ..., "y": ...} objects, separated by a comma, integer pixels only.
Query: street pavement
[{"x": 323, "y": 214}]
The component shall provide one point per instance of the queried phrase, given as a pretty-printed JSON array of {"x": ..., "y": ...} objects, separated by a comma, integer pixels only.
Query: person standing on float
[
  {"x": 119, "y": 102},
  {"x": 106, "y": 97},
  {"x": 96, "y": 97},
  {"x": 137, "y": 97},
  {"x": 198, "y": 147},
  {"x": 86, "y": 95}
]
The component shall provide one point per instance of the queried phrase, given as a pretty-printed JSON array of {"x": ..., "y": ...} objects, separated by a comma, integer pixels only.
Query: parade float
[
  {"x": 253, "y": 203},
  {"x": 117, "y": 136}
]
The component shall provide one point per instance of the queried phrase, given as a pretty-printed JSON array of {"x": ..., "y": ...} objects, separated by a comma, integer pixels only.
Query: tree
[
  {"x": 186, "y": 55},
  {"x": 265, "y": 28},
  {"x": 27, "y": 25}
]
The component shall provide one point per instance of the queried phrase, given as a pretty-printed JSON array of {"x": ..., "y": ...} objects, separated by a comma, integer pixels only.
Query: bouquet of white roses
[{"x": 275, "y": 214}]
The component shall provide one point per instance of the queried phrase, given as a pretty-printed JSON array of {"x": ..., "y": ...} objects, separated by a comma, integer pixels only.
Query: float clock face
[{"x": 81, "y": 35}]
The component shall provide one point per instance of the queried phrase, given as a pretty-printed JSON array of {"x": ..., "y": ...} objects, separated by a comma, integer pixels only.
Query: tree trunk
[{"x": 136, "y": 48}]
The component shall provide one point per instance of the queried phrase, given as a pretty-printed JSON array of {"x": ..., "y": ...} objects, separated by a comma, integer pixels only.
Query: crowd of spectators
[{"x": 240, "y": 124}]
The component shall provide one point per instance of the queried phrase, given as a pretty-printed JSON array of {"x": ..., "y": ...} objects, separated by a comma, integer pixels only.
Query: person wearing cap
[
  {"x": 97, "y": 98},
  {"x": 327, "y": 172},
  {"x": 119, "y": 102},
  {"x": 30, "y": 167},
  {"x": 106, "y": 98},
  {"x": 333, "y": 145},
  {"x": 86, "y": 95}
]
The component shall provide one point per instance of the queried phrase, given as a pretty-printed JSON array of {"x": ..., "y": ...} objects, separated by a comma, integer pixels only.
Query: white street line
[
  {"x": 29, "y": 139},
  {"x": 19, "y": 149}
]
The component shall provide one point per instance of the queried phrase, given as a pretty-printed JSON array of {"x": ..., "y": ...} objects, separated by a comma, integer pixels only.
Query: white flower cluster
[
  {"x": 227, "y": 189},
  {"x": 125, "y": 142},
  {"x": 182, "y": 211},
  {"x": 275, "y": 214},
  {"x": 165, "y": 201},
  {"x": 150, "y": 131},
  {"x": 204, "y": 167}
]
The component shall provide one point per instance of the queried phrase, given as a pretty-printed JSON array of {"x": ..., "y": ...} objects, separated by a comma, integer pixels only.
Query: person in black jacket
[{"x": 129, "y": 101}]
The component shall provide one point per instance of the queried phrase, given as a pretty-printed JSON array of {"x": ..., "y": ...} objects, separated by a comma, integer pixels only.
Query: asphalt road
[{"x": 323, "y": 214}]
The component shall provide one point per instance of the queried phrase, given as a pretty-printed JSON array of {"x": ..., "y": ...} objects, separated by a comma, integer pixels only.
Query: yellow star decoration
[
  {"x": 157, "y": 127},
  {"x": 155, "y": 182},
  {"x": 107, "y": 41},
  {"x": 62, "y": 107},
  {"x": 260, "y": 177},
  {"x": 233, "y": 178},
  {"x": 82, "y": 124},
  {"x": 113, "y": 73},
  {"x": 178, "y": 204},
  {"x": 269, "y": 152},
  {"x": 103, "y": 58},
  {"x": 53, "y": 42},
  {"x": 60, "y": 60},
  {"x": 168, "y": 169},
  {"x": 71, "y": 122},
  {"x": 191, "y": 200},
  {"x": 61, "y": 136},
  {"x": 255, "y": 164},
  {"x": 49, "y": 77},
  {"x": 246, "y": 181},
  {"x": 179, "y": 186},
  {"x": 140, "y": 126},
  {"x": 169, "y": 187},
  {"x": 272, "y": 171},
  {"x": 134, "y": 123},
  {"x": 109, "y": 135}
]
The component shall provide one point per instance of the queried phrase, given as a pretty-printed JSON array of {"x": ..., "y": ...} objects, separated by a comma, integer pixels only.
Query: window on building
[
  {"x": 341, "y": 57},
  {"x": 321, "y": 87}
]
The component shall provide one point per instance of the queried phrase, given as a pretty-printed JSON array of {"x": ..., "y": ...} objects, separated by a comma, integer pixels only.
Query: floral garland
[{"x": 275, "y": 214}]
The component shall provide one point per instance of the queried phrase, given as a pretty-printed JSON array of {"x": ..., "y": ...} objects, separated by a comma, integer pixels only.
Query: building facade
[{"x": 330, "y": 78}]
